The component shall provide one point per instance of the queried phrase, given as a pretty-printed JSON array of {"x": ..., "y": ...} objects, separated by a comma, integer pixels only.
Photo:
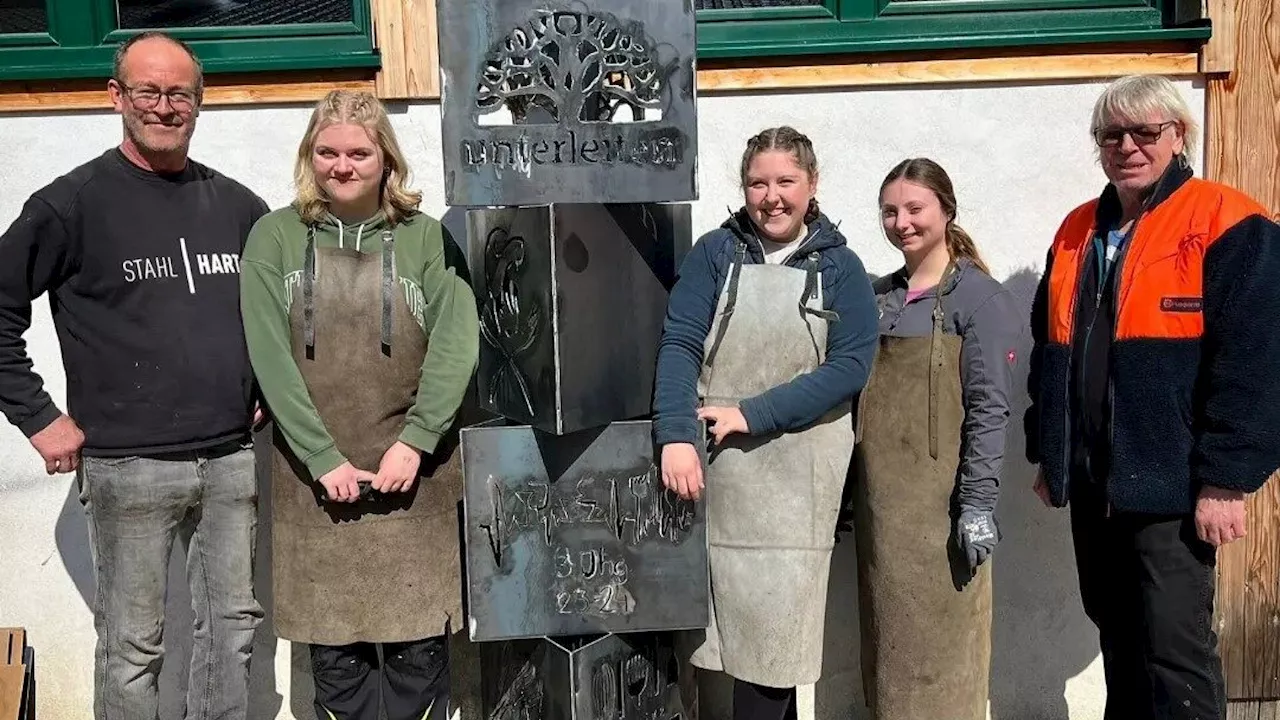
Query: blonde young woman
[{"x": 363, "y": 335}]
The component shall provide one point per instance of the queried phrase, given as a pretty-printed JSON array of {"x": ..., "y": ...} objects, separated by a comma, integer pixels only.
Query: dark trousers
[
  {"x": 411, "y": 679},
  {"x": 757, "y": 702},
  {"x": 1147, "y": 582}
]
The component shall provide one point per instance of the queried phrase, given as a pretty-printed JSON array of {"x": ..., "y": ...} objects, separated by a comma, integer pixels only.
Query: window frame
[
  {"x": 865, "y": 26},
  {"x": 83, "y": 35}
]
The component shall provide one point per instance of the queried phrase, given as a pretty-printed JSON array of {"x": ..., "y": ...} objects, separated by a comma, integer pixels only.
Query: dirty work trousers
[
  {"x": 757, "y": 702},
  {"x": 1147, "y": 582},
  {"x": 411, "y": 680}
]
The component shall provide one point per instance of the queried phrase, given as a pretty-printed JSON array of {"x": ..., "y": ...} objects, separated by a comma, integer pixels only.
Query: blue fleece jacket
[{"x": 851, "y": 339}]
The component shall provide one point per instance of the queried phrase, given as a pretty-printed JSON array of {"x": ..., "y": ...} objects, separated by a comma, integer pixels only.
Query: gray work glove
[{"x": 977, "y": 535}]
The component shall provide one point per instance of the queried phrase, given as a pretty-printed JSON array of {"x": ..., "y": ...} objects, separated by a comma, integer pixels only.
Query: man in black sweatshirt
[{"x": 139, "y": 253}]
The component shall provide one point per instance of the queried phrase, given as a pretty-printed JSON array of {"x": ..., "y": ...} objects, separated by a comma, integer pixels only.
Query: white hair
[{"x": 1135, "y": 98}]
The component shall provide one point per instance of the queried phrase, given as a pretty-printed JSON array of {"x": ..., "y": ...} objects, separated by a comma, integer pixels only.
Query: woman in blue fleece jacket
[{"x": 770, "y": 332}]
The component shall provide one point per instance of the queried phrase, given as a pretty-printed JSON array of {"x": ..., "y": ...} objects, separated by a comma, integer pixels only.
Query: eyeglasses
[
  {"x": 1109, "y": 137},
  {"x": 146, "y": 98}
]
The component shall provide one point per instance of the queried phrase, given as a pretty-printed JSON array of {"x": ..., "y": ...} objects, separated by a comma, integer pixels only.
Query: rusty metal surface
[
  {"x": 610, "y": 677},
  {"x": 563, "y": 101},
  {"x": 575, "y": 534},
  {"x": 572, "y": 299}
]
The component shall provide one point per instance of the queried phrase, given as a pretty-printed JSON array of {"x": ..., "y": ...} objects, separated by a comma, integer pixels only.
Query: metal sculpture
[{"x": 571, "y": 130}]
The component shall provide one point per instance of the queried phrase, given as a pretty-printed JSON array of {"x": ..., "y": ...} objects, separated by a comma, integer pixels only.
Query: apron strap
[
  {"x": 388, "y": 287},
  {"x": 308, "y": 303},
  {"x": 811, "y": 291},
  {"x": 735, "y": 270},
  {"x": 936, "y": 361}
]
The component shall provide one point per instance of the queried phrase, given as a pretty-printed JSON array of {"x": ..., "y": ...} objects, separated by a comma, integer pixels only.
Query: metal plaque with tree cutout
[{"x": 565, "y": 100}]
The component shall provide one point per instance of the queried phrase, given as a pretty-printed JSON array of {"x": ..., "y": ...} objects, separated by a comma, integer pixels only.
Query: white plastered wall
[{"x": 1020, "y": 157}]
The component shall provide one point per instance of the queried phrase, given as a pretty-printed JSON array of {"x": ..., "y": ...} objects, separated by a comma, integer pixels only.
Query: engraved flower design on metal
[{"x": 507, "y": 326}]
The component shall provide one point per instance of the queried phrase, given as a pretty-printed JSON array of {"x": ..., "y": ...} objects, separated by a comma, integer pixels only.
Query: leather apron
[
  {"x": 926, "y": 645},
  {"x": 772, "y": 500},
  {"x": 385, "y": 568}
]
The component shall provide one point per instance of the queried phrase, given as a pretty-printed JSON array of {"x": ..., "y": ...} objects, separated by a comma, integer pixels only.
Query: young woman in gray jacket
[{"x": 931, "y": 438}]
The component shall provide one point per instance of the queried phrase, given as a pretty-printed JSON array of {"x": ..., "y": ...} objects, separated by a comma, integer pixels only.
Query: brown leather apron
[
  {"x": 772, "y": 500},
  {"x": 926, "y": 646},
  {"x": 383, "y": 569}
]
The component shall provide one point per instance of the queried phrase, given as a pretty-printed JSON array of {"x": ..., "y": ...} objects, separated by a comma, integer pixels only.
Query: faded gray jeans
[{"x": 137, "y": 507}]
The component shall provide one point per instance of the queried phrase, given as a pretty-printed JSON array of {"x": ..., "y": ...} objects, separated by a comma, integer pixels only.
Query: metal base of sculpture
[{"x": 586, "y": 677}]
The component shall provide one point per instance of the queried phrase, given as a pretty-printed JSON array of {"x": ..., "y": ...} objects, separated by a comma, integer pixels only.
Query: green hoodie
[{"x": 435, "y": 284}]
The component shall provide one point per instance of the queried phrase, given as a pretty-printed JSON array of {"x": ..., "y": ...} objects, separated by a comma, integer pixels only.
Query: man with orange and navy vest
[{"x": 1155, "y": 387}]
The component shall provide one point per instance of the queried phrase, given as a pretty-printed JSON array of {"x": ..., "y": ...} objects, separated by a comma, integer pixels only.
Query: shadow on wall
[
  {"x": 72, "y": 539},
  {"x": 1040, "y": 636}
]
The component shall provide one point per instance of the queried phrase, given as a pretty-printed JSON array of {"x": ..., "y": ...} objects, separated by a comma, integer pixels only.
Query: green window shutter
[
  {"x": 81, "y": 36},
  {"x": 761, "y": 28}
]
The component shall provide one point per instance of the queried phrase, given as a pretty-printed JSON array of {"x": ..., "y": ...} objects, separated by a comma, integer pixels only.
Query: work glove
[{"x": 977, "y": 535}]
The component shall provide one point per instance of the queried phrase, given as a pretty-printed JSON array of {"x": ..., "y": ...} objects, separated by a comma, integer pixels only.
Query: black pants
[
  {"x": 411, "y": 679},
  {"x": 1147, "y": 582},
  {"x": 757, "y": 702}
]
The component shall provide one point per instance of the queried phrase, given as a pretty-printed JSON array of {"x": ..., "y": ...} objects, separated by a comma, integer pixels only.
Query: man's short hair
[{"x": 117, "y": 70}]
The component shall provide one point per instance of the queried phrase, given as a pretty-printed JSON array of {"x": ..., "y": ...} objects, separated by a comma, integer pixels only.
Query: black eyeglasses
[
  {"x": 146, "y": 98},
  {"x": 1109, "y": 137}
]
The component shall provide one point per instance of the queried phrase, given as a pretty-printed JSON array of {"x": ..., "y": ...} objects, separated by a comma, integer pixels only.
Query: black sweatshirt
[{"x": 142, "y": 272}]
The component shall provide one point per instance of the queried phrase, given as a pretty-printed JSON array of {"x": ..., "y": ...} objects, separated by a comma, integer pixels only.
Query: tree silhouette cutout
[{"x": 572, "y": 66}]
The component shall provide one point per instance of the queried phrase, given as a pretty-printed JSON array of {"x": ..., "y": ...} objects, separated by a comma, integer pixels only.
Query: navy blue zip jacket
[{"x": 851, "y": 338}]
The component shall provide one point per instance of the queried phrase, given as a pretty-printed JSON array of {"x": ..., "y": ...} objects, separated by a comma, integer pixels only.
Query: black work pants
[
  {"x": 757, "y": 702},
  {"x": 1147, "y": 582},
  {"x": 411, "y": 682}
]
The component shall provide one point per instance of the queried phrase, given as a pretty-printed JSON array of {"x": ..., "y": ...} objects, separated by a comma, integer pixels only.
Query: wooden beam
[
  {"x": 1262, "y": 613},
  {"x": 1219, "y": 54},
  {"x": 1242, "y": 710},
  {"x": 1230, "y": 606},
  {"x": 1242, "y": 118},
  {"x": 1248, "y": 602},
  {"x": 407, "y": 40},
  {"x": 308, "y": 87},
  {"x": 405, "y": 33},
  {"x": 992, "y": 68}
]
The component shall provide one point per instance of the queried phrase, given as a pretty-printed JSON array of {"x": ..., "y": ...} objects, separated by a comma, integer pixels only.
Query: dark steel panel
[
  {"x": 572, "y": 299},
  {"x": 510, "y": 257},
  {"x": 562, "y": 101},
  {"x": 615, "y": 265},
  {"x": 575, "y": 534},
  {"x": 610, "y": 677}
]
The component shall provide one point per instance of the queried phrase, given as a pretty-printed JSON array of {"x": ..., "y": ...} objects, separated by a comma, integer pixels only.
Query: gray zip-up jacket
[{"x": 985, "y": 315}]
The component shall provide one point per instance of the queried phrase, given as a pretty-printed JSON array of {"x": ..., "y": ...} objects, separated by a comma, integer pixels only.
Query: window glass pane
[
  {"x": 141, "y": 14},
  {"x": 23, "y": 16},
  {"x": 727, "y": 4}
]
